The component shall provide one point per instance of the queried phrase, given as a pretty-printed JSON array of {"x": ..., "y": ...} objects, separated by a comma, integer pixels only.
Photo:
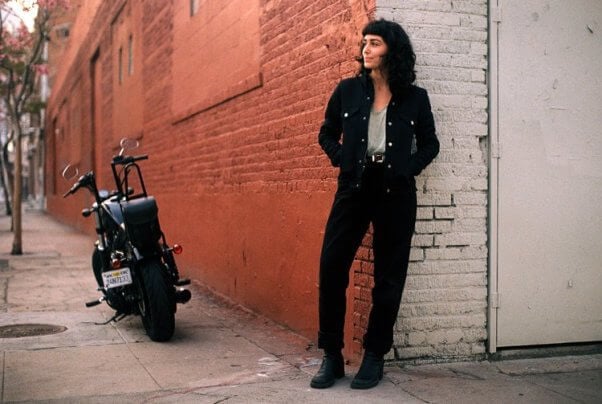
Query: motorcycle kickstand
[{"x": 118, "y": 316}]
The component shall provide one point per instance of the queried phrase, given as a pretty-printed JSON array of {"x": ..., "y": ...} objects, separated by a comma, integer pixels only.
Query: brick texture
[{"x": 443, "y": 311}]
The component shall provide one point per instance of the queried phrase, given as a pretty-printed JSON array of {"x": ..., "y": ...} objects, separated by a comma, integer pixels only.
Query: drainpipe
[{"x": 494, "y": 156}]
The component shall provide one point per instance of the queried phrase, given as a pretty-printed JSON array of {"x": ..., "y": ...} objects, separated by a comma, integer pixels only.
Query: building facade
[{"x": 227, "y": 98}]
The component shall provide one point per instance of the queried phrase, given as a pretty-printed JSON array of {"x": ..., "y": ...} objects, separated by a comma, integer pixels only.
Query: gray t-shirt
[{"x": 377, "y": 132}]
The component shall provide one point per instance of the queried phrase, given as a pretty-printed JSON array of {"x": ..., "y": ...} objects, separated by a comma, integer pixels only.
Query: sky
[{"x": 17, "y": 7}]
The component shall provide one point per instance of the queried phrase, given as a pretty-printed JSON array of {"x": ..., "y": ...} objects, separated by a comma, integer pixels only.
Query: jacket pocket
[{"x": 349, "y": 114}]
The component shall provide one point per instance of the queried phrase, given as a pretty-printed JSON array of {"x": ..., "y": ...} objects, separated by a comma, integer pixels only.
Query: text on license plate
[{"x": 119, "y": 277}]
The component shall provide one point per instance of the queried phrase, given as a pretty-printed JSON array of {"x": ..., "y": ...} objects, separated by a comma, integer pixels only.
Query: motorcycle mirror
[
  {"x": 128, "y": 144},
  {"x": 70, "y": 172}
]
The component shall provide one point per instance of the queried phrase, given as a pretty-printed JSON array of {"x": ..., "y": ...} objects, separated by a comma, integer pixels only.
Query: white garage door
[{"x": 549, "y": 269}]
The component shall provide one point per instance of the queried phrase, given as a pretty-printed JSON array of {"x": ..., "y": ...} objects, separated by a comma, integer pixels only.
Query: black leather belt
[{"x": 377, "y": 158}]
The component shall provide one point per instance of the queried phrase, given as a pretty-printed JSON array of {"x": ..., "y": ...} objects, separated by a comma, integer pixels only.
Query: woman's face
[{"x": 373, "y": 50}]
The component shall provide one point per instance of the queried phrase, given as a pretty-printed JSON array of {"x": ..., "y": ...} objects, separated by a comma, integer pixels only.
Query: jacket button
[
  {"x": 412, "y": 123},
  {"x": 346, "y": 114},
  {"x": 363, "y": 118},
  {"x": 363, "y": 140},
  {"x": 390, "y": 123},
  {"x": 393, "y": 103},
  {"x": 388, "y": 165},
  {"x": 359, "y": 161},
  {"x": 390, "y": 144},
  {"x": 388, "y": 190}
]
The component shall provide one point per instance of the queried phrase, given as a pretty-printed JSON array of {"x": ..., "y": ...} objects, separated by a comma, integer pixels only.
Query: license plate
[{"x": 119, "y": 277}]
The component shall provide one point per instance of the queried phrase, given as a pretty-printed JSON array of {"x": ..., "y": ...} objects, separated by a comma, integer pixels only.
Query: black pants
[{"x": 393, "y": 218}]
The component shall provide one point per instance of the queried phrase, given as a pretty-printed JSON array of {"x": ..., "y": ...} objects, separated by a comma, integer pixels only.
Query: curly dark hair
[{"x": 400, "y": 59}]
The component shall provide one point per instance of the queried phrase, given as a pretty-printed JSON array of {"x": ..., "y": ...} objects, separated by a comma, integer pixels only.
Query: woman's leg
[
  {"x": 345, "y": 229},
  {"x": 394, "y": 222}
]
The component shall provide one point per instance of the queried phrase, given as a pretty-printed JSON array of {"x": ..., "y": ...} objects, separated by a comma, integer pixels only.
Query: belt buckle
[{"x": 376, "y": 158}]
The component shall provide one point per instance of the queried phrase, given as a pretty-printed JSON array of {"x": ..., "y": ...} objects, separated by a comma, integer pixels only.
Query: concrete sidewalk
[{"x": 219, "y": 353}]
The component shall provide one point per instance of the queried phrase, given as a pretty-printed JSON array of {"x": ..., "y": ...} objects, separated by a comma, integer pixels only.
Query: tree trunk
[
  {"x": 7, "y": 181},
  {"x": 17, "y": 229},
  {"x": 5, "y": 187}
]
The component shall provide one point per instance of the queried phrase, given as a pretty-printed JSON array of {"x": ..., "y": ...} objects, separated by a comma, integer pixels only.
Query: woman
[{"x": 388, "y": 137}]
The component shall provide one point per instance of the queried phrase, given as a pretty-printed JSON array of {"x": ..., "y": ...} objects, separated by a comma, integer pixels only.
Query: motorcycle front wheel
[{"x": 156, "y": 304}]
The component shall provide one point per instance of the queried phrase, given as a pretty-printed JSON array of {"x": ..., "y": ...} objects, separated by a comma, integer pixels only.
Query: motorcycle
[{"x": 134, "y": 267}]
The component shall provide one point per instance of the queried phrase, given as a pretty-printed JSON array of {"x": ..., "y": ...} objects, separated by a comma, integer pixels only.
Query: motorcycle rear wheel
[{"x": 156, "y": 304}]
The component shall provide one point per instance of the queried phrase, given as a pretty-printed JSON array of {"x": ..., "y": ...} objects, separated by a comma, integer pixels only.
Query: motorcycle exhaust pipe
[{"x": 183, "y": 296}]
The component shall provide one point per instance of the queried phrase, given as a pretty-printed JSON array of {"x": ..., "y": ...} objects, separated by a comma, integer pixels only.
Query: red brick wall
[{"x": 241, "y": 181}]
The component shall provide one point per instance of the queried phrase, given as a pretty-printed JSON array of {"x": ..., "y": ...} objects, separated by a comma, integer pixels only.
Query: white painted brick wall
[{"x": 443, "y": 312}]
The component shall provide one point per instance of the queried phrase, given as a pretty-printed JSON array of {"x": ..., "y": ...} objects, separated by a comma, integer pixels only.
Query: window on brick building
[
  {"x": 130, "y": 55},
  {"x": 62, "y": 33},
  {"x": 194, "y": 7},
  {"x": 120, "y": 65}
]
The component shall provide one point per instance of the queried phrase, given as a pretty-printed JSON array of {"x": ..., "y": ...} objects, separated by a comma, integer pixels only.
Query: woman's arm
[
  {"x": 426, "y": 138},
  {"x": 331, "y": 129}
]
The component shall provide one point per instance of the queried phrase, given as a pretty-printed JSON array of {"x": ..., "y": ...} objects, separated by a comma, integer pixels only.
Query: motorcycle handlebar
[
  {"x": 74, "y": 188},
  {"x": 129, "y": 159},
  {"x": 83, "y": 180}
]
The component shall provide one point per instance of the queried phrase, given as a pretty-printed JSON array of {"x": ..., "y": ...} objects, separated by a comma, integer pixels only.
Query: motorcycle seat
[{"x": 140, "y": 211}]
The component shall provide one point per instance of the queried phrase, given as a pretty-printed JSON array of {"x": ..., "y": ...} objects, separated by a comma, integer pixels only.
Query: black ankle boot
[
  {"x": 332, "y": 368},
  {"x": 370, "y": 373}
]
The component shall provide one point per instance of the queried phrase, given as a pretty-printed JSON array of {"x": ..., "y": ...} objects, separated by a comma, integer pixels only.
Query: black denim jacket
[{"x": 409, "y": 120}]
